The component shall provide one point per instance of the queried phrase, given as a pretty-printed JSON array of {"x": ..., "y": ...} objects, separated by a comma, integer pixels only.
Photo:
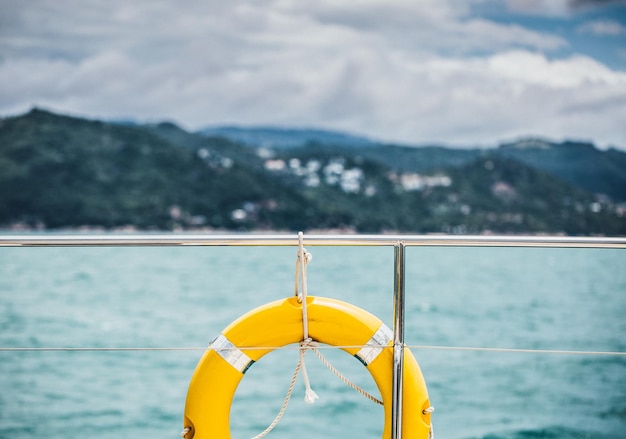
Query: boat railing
[{"x": 398, "y": 242}]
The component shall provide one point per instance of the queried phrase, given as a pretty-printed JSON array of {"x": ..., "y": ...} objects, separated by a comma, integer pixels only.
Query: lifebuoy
[{"x": 279, "y": 323}]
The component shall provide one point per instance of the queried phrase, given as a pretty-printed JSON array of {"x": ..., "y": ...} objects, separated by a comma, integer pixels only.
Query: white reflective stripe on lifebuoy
[
  {"x": 375, "y": 345},
  {"x": 232, "y": 354}
]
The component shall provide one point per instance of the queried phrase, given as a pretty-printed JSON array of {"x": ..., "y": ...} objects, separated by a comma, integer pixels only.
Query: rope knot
[
  {"x": 310, "y": 396},
  {"x": 308, "y": 343}
]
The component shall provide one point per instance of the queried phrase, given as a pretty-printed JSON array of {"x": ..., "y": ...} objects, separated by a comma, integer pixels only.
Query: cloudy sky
[{"x": 452, "y": 72}]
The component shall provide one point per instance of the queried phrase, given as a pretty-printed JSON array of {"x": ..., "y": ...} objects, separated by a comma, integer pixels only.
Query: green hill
[
  {"x": 580, "y": 163},
  {"x": 58, "y": 171}
]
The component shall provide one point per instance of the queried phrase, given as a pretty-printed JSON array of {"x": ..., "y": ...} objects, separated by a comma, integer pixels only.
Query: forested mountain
[
  {"x": 58, "y": 171},
  {"x": 580, "y": 163}
]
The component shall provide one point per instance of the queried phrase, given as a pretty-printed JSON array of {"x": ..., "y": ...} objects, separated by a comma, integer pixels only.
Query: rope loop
[{"x": 302, "y": 260}]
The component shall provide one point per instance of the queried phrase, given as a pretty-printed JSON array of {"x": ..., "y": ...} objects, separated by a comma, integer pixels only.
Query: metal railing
[
  {"x": 184, "y": 239},
  {"x": 399, "y": 242}
]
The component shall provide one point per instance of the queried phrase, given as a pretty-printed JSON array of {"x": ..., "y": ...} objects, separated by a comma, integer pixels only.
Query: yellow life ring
[{"x": 279, "y": 323}]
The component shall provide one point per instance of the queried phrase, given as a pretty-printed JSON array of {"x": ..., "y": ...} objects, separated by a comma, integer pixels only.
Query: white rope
[
  {"x": 301, "y": 293},
  {"x": 314, "y": 348},
  {"x": 301, "y": 289},
  {"x": 302, "y": 261},
  {"x": 301, "y": 264},
  {"x": 285, "y": 402},
  {"x": 309, "y": 395}
]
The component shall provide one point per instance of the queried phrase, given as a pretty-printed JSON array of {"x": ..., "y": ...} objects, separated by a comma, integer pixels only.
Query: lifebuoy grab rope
[
  {"x": 279, "y": 323},
  {"x": 342, "y": 377}
]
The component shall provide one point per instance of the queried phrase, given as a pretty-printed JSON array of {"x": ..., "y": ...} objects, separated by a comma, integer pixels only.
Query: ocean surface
[{"x": 544, "y": 299}]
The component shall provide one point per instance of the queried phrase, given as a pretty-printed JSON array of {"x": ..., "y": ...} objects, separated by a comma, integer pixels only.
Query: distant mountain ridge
[
  {"x": 280, "y": 138},
  {"x": 58, "y": 171}
]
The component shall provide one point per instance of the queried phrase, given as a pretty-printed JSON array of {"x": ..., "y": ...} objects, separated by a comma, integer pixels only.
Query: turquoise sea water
[{"x": 572, "y": 299}]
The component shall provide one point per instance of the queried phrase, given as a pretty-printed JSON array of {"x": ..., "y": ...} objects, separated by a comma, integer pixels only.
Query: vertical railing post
[{"x": 398, "y": 341}]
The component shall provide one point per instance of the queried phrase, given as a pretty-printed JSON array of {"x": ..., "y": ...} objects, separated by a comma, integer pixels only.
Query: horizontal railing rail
[{"x": 245, "y": 239}]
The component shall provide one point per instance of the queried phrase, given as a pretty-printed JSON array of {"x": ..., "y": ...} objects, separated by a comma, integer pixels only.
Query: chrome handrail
[
  {"x": 261, "y": 239},
  {"x": 397, "y": 374}
]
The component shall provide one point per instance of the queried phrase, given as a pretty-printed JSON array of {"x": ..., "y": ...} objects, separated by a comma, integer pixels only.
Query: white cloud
[
  {"x": 555, "y": 8},
  {"x": 466, "y": 101},
  {"x": 534, "y": 68},
  {"x": 603, "y": 27},
  {"x": 407, "y": 71}
]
